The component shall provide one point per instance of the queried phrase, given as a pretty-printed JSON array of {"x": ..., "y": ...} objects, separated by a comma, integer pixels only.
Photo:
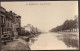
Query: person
[{"x": 28, "y": 39}]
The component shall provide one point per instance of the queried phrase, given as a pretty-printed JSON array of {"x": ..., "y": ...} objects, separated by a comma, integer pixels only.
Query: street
[
  {"x": 50, "y": 41},
  {"x": 17, "y": 44}
]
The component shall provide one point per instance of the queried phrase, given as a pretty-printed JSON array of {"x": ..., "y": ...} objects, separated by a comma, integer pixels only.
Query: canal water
[{"x": 50, "y": 41}]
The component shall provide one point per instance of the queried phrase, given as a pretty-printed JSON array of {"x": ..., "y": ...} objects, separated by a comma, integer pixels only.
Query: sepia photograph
[{"x": 39, "y": 25}]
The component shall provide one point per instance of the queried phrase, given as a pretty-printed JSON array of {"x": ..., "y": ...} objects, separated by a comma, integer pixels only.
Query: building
[
  {"x": 28, "y": 27},
  {"x": 3, "y": 17},
  {"x": 18, "y": 24},
  {"x": 23, "y": 31},
  {"x": 31, "y": 29},
  {"x": 10, "y": 25},
  {"x": 3, "y": 20}
]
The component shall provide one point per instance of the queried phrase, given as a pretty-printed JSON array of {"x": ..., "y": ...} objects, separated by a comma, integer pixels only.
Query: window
[
  {"x": 8, "y": 24},
  {"x": 1, "y": 30},
  {"x": 2, "y": 19}
]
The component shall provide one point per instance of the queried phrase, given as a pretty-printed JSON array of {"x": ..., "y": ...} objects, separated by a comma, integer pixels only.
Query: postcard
[{"x": 39, "y": 25}]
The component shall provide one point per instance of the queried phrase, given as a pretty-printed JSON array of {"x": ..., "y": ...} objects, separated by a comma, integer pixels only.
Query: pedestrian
[{"x": 28, "y": 39}]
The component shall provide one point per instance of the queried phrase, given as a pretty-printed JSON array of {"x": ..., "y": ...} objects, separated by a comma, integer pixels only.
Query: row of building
[
  {"x": 32, "y": 29},
  {"x": 10, "y": 25}
]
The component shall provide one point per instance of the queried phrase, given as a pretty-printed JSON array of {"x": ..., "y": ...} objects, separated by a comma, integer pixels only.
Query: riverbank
[
  {"x": 71, "y": 39},
  {"x": 17, "y": 44},
  {"x": 76, "y": 34}
]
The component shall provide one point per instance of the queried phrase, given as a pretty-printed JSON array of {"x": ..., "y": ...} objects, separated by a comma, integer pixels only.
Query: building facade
[
  {"x": 3, "y": 20},
  {"x": 10, "y": 25}
]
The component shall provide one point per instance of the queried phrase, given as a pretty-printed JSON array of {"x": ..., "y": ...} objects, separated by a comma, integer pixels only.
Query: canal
[{"x": 53, "y": 41}]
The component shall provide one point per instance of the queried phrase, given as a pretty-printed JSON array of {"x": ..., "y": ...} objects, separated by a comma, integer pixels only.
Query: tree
[{"x": 67, "y": 25}]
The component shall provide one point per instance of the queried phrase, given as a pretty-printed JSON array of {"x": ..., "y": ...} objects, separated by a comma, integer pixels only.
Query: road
[{"x": 49, "y": 41}]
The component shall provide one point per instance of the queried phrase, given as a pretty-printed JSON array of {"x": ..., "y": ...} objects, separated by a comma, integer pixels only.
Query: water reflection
[
  {"x": 33, "y": 39},
  {"x": 54, "y": 41},
  {"x": 70, "y": 40}
]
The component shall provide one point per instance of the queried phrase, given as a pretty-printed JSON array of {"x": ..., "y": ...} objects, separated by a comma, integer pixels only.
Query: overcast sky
[{"x": 41, "y": 14}]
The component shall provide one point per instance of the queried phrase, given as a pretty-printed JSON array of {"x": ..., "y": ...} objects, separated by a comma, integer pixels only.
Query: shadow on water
[
  {"x": 70, "y": 40},
  {"x": 33, "y": 38}
]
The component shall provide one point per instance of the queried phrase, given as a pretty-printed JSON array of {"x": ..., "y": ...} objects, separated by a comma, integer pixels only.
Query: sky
[{"x": 44, "y": 15}]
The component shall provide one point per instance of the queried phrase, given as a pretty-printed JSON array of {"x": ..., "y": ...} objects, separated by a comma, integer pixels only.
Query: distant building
[
  {"x": 28, "y": 27},
  {"x": 33, "y": 30}
]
